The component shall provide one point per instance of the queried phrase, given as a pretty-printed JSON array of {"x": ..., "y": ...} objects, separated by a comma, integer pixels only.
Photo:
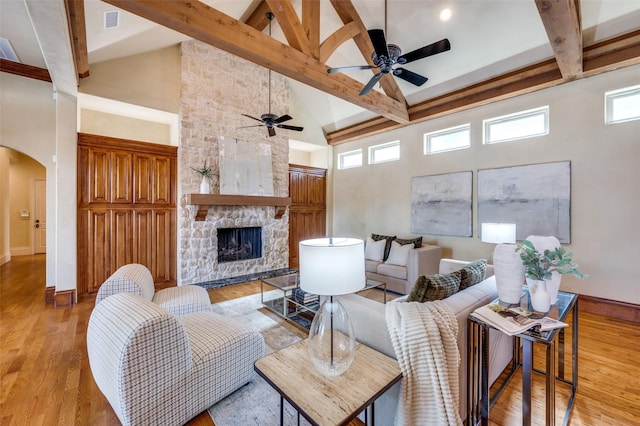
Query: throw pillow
[
  {"x": 473, "y": 273},
  {"x": 374, "y": 250},
  {"x": 399, "y": 254},
  {"x": 387, "y": 247},
  {"x": 434, "y": 287},
  {"x": 417, "y": 242}
]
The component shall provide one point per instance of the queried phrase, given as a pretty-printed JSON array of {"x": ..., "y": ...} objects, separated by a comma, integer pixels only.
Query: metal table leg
[{"x": 527, "y": 349}]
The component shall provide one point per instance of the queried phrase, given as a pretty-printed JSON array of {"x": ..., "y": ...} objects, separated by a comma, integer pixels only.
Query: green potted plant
[
  {"x": 540, "y": 268},
  {"x": 207, "y": 174}
]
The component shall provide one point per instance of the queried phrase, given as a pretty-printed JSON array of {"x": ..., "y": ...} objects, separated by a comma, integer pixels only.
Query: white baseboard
[
  {"x": 21, "y": 251},
  {"x": 5, "y": 258}
]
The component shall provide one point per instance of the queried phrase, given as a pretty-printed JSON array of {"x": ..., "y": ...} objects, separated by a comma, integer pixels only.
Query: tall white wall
[{"x": 605, "y": 174}]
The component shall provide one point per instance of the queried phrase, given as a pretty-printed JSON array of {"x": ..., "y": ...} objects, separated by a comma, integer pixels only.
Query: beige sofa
[
  {"x": 368, "y": 318},
  {"x": 400, "y": 279}
]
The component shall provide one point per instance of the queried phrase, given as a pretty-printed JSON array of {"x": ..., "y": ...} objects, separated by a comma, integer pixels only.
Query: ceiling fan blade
[
  {"x": 272, "y": 131},
  {"x": 432, "y": 49},
  {"x": 257, "y": 119},
  {"x": 246, "y": 127},
  {"x": 351, "y": 68},
  {"x": 285, "y": 117},
  {"x": 296, "y": 128},
  {"x": 379, "y": 42},
  {"x": 410, "y": 76},
  {"x": 370, "y": 84}
]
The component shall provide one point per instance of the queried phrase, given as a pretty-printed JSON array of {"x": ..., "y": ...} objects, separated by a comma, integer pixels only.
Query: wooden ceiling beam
[
  {"x": 201, "y": 22},
  {"x": 561, "y": 19},
  {"x": 311, "y": 25},
  {"x": 78, "y": 30},
  {"x": 331, "y": 43},
  {"x": 257, "y": 18},
  {"x": 606, "y": 56},
  {"x": 290, "y": 24},
  {"x": 24, "y": 70}
]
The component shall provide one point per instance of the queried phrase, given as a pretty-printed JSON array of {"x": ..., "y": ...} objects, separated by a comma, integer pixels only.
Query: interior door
[{"x": 40, "y": 216}]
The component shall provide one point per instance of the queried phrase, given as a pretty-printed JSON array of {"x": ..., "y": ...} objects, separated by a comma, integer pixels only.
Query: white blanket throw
[{"x": 424, "y": 337}]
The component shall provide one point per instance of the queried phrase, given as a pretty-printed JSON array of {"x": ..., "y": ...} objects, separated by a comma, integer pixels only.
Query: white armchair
[{"x": 156, "y": 368}]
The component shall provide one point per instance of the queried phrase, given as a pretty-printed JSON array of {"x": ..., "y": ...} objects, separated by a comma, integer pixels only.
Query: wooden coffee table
[{"x": 326, "y": 400}]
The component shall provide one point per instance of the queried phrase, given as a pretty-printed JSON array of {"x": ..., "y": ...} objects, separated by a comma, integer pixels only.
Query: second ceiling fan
[{"x": 385, "y": 57}]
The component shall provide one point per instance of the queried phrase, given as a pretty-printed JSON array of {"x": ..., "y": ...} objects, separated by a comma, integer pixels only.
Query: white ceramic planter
[
  {"x": 548, "y": 243},
  {"x": 205, "y": 188},
  {"x": 540, "y": 300}
]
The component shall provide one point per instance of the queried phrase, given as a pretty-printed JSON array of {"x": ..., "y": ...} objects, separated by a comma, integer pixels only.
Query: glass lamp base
[{"x": 332, "y": 342}]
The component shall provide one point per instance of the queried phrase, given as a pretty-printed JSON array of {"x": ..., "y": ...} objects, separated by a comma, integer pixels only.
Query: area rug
[{"x": 257, "y": 403}]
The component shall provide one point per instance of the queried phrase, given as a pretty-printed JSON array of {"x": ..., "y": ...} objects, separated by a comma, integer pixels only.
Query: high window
[
  {"x": 458, "y": 137},
  {"x": 520, "y": 125},
  {"x": 382, "y": 153},
  {"x": 350, "y": 159},
  {"x": 622, "y": 105}
]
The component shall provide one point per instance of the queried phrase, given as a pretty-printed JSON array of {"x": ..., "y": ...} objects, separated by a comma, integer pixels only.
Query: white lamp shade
[
  {"x": 498, "y": 233},
  {"x": 332, "y": 266}
]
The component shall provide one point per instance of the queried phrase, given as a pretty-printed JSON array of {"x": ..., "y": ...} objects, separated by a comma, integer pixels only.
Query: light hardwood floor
[{"x": 46, "y": 377}]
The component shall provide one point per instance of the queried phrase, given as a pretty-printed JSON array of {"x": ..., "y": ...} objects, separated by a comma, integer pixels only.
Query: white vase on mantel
[
  {"x": 539, "y": 296},
  {"x": 509, "y": 272},
  {"x": 548, "y": 243},
  {"x": 205, "y": 187}
]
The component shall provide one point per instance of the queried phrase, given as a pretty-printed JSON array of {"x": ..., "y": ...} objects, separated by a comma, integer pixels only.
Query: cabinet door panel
[
  {"x": 121, "y": 238},
  {"x": 98, "y": 248},
  {"x": 99, "y": 173},
  {"x": 142, "y": 241},
  {"x": 163, "y": 176},
  {"x": 121, "y": 177},
  {"x": 163, "y": 246},
  {"x": 143, "y": 175}
]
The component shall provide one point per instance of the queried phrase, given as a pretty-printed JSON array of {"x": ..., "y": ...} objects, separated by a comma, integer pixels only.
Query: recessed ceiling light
[{"x": 445, "y": 14}]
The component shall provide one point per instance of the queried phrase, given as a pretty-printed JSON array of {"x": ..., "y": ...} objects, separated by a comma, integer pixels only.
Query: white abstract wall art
[
  {"x": 245, "y": 167},
  {"x": 441, "y": 204},
  {"x": 537, "y": 198}
]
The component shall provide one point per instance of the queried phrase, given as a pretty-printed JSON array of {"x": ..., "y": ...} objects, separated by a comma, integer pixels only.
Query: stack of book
[{"x": 302, "y": 297}]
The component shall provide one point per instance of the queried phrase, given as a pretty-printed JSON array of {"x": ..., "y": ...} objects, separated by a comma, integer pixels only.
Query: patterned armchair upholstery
[
  {"x": 156, "y": 368},
  {"x": 135, "y": 278}
]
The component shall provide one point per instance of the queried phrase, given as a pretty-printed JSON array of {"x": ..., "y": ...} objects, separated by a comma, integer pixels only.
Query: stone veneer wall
[{"x": 217, "y": 88}]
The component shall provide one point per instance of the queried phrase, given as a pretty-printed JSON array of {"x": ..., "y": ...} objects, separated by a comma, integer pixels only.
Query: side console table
[{"x": 479, "y": 401}]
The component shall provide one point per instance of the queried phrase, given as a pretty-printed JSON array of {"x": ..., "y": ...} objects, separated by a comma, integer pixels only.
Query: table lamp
[
  {"x": 507, "y": 265},
  {"x": 331, "y": 267}
]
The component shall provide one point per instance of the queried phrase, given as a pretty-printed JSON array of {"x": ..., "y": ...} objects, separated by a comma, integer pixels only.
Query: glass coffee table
[{"x": 281, "y": 299}]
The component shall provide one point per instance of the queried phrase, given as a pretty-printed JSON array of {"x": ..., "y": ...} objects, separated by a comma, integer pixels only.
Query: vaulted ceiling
[{"x": 499, "y": 49}]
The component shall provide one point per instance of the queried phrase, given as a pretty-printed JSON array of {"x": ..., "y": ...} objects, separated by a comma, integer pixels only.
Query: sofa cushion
[
  {"x": 473, "y": 273},
  {"x": 417, "y": 242},
  {"x": 387, "y": 247},
  {"x": 374, "y": 250},
  {"x": 392, "y": 271},
  {"x": 371, "y": 265},
  {"x": 399, "y": 254},
  {"x": 435, "y": 287}
]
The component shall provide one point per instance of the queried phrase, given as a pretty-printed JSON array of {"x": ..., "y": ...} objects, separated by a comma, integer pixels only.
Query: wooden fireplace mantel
[{"x": 203, "y": 201}]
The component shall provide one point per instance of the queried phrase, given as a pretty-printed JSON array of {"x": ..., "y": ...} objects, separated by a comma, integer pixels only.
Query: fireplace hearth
[{"x": 236, "y": 244}]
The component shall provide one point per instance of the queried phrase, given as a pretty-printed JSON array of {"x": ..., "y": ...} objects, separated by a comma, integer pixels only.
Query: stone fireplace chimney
[{"x": 216, "y": 89}]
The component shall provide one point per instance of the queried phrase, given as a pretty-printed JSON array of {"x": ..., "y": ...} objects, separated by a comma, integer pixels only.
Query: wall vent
[{"x": 111, "y": 19}]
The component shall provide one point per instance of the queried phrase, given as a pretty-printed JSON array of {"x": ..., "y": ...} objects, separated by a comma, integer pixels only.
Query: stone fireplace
[{"x": 216, "y": 89}]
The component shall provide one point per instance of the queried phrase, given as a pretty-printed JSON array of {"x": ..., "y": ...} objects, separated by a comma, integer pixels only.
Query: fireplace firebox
[{"x": 239, "y": 244}]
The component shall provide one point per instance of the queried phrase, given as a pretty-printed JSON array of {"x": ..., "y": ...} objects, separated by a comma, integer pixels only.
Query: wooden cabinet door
[
  {"x": 163, "y": 245},
  {"x": 98, "y": 176},
  {"x": 307, "y": 213},
  {"x": 142, "y": 231},
  {"x": 164, "y": 169},
  {"x": 121, "y": 178},
  {"x": 97, "y": 243},
  {"x": 142, "y": 178},
  {"x": 121, "y": 238}
]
